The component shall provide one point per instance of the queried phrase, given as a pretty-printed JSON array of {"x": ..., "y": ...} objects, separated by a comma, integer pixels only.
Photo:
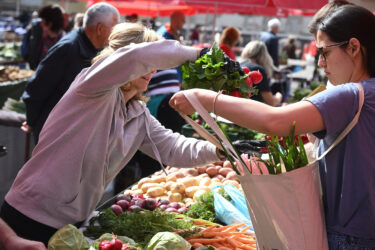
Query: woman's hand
[
  {"x": 18, "y": 243},
  {"x": 181, "y": 104},
  {"x": 26, "y": 128}
]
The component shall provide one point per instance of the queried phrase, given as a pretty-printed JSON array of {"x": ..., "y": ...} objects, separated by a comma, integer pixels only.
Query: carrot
[
  {"x": 205, "y": 241},
  {"x": 197, "y": 245},
  {"x": 208, "y": 229},
  {"x": 233, "y": 242},
  {"x": 233, "y": 227},
  {"x": 245, "y": 229},
  {"x": 220, "y": 234},
  {"x": 224, "y": 248},
  {"x": 246, "y": 240},
  {"x": 247, "y": 247}
]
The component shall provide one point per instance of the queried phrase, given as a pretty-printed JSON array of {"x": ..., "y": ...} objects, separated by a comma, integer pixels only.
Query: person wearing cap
[{"x": 271, "y": 40}]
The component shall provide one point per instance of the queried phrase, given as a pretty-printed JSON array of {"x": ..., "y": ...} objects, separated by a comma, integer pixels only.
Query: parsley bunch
[{"x": 208, "y": 72}]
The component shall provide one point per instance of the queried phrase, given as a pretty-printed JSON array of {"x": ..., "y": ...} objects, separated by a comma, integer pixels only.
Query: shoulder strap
[{"x": 350, "y": 125}]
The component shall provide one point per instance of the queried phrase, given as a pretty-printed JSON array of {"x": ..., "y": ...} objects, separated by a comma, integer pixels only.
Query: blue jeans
[{"x": 339, "y": 241}]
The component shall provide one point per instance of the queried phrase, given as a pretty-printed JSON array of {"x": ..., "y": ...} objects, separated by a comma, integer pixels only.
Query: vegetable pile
[{"x": 208, "y": 72}]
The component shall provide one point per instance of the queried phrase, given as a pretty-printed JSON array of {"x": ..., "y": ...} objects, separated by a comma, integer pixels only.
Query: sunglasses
[{"x": 323, "y": 54}]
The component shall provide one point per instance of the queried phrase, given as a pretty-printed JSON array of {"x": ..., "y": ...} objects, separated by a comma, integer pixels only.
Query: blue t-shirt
[{"x": 348, "y": 171}]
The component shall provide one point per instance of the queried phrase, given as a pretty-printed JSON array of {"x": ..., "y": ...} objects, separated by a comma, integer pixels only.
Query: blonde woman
[
  {"x": 94, "y": 130},
  {"x": 256, "y": 57}
]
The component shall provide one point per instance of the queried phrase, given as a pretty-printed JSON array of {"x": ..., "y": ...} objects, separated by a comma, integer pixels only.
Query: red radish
[
  {"x": 248, "y": 79},
  {"x": 256, "y": 76},
  {"x": 246, "y": 70},
  {"x": 236, "y": 93},
  {"x": 103, "y": 244},
  {"x": 124, "y": 204},
  {"x": 116, "y": 244}
]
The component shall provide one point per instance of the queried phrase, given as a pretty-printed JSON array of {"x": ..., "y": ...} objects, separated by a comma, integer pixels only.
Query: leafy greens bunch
[
  {"x": 208, "y": 72},
  {"x": 285, "y": 155}
]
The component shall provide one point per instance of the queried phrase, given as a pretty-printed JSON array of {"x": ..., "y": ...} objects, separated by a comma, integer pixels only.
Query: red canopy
[
  {"x": 151, "y": 8},
  {"x": 276, "y": 8}
]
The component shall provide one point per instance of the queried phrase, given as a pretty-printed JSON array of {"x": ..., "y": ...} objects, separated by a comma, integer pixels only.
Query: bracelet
[{"x": 213, "y": 105}]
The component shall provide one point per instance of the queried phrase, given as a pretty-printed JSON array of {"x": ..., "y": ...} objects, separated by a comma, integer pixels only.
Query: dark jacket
[
  {"x": 30, "y": 49},
  {"x": 272, "y": 43},
  {"x": 54, "y": 75}
]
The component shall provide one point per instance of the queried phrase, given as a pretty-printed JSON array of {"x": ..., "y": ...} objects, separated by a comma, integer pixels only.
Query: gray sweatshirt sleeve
[
  {"x": 130, "y": 62},
  {"x": 175, "y": 149}
]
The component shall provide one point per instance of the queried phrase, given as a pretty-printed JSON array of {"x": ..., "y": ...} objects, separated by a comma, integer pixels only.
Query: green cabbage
[
  {"x": 168, "y": 241},
  {"x": 68, "y": 238}
]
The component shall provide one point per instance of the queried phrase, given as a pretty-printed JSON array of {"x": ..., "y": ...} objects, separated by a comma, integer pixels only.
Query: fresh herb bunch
[
  {"x": 204, "y": 208},
  {"x": 141, "y": 227},
  {"x": 288, "y": 152},
  {"x": 208, "y": 72}
]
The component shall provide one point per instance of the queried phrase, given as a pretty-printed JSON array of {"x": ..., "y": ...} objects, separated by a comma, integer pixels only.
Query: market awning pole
[
  {"x": 187, "y": 34},
  {"x": 214, "y": 25},
  {"x": 205, "y": 27}
]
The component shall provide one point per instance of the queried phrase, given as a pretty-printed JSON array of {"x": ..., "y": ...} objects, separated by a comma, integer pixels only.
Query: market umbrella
[{"x": 151, "y": 8}]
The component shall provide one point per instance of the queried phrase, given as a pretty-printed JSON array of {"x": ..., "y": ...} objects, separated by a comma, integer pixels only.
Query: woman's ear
[{"x": 354, "y": 47}]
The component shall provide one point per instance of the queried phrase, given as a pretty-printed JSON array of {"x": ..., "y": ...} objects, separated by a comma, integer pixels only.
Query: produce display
[
  {"x": 10, "y": 52},
  {"x": 14, "y": 73},
  {"x": 185, "y": 185}
]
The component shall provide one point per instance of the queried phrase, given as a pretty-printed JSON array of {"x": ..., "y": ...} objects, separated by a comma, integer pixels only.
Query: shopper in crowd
[
  {"x": 345, "y": 44},
  {"x": 78, "y": 20},
  {"x": 10, "y": 241},
  {"x": 290, "y": 47},
  {"x": 256, "y": 58},
  {"x": 172, "y": 30},
  {"x": 63, "y": 62},
  {"x": 94, "y": 130},
  {"x": 228, "y": 40},
  {"x": 43, "y": 34},
  {"x": 271, "y": 40},
  {"x": 194, "y": 38}
]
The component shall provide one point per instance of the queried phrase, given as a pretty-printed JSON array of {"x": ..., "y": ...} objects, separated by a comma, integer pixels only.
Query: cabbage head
[
  {"x": 68, "y": 238},
  {"x": 168, "y": 241}
]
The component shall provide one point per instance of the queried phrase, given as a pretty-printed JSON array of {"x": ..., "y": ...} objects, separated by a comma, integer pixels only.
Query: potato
[
  {"x": 155, "y": 191},
  {"x": 134, "y": 187},
  {"x": 128, "y": 192},
  {"x": 146, "y": 186},
  {"x": 218, "y": 168},
  {"x": 175, "y": 197},
  {"x": 168, "y": 185},
  {"x": 225, "y": 171},
  {"x": 199, "y": 193},
  {"x": 215, "y": 179},
  {"x": 178, "y": 188},
  {"x": 171, "y": 177},
  {"x": 205, "y": 181},
  {"x": 137, "y": 192},
  {"x": 220, "y": 177},
  {"x": 213, "y": 184},
  {"x": 235, "y": 183},
  {"x": 203, "y": 175},
  {"x": 180, "y": 174},
  {"x": 190, "y": 191},
  {"x": 143, "y": 181},
  {"x": 189, "y": 181},
  {"x": 211, "y": 171},
  {"x": 232, "y": 176},
  {"x": 227, "y": 164},
  {"x": 190, "y": 172},
  {"x": 202, "y": 169},
  {"x": 158, "y": 179}
]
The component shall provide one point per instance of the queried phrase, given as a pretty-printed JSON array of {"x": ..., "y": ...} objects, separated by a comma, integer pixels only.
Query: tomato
[{"x": 256, "y": 76}]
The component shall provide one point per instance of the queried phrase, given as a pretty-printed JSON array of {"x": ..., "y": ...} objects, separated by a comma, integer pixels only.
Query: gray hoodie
[{"x": 91, "y": 134}]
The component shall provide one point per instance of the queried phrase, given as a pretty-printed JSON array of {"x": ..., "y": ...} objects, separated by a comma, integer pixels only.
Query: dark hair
[
  {"x": 323, "y": 12},
  {"x": 352, "y": 21},
  {"x": 53, "y": 15}
]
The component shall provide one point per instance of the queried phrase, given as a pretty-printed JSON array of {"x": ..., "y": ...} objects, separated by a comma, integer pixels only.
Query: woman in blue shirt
[{"x": 346, "y": 44}]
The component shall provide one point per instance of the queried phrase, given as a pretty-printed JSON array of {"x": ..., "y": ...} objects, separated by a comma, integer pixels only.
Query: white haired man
[
  {"x": 271, "y": 40},
  {"x": 63, "y": 62}
]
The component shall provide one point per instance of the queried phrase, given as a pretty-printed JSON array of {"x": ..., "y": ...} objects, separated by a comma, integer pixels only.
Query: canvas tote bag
[{"x": 286, "y": 209}]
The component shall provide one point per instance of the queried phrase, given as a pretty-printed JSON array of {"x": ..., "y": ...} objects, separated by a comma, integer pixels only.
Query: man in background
[
  {"x": 271, "y": 40},
  {"x": 172, "y": 30},
  {"x": 63, "y": 62}
]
